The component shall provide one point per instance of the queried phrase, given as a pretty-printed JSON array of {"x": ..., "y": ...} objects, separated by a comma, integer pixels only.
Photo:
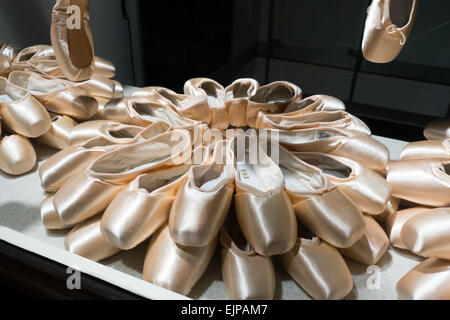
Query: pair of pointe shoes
[
  {"x": 423, "y": 174},
  {"x": 387, "y": 28},
  {"x": 17, "y": 155}
]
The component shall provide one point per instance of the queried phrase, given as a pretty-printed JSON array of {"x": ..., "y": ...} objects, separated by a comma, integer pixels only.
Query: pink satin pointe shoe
[
  {"x": 86, "y": 240},
  {"x": 316, "y": 103},
  {"x": 203, "y": 202},
  {"x": 192, "y": 107},
  {"x": 49, "y": 216},
  {"x": 395, "y": 223},
  {"x": 361, "y": 148},
  {"x": 246, "y": 274},
  {"x": 371, "y": 247},
  {"x": 335, "y": 119},
  {"x": 17, "y": 155},
  {"x": 263, "y": 209},
  {"x": 72, "y": 39},
  {"x": 323, "y": 208},
  {"x": 428, "y": 233},
  {"x": 91, "y": 191},
  {"x": 388, "y": 25},
  {"x": 236, "y": 100},
  {"x": 21, "y": 112},
  {"x": 437, "y": 130},
  {"x": 113, "y": 131},
  {"x": 56, "y": 95},
  {"x": 174, "y": 267},
  {"x": 130, "y": 111},
  {"x": 318, "y": 268},
  {"x": 429, "y": 280},
  {"x": 215, "y": 95},
  {"x": 102, "y": 87},
  {"x": 426, "y": 149},
  {"x": 142, "y": 207},
  {"x": 367, "y": 189},
  {"x": 425, "y": 181},
  {"x": 59, "y": 134},
  {"x": 271, "y": 98}
]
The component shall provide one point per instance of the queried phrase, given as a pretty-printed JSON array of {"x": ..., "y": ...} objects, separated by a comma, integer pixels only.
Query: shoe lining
[
  {"x": 400, "y": 11},
  {"x": 446, "y": 168},
  {"x": 299, "y": 105},
  {"x": 212, "y": 93},
  {"x": 239, "y": 90},
  {"x": 124, "y": 133},
  {"x": 210, "y": 179},
  {"x": 10, "y": 93},
  {"x": 328, "y": 165},
  {"x": 278, "y": 93}
]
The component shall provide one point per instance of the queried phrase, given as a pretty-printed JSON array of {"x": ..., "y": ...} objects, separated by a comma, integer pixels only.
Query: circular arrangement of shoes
[
  {"x": 132, "y": 178},
  {"x": 37, "y": 101},
  {"x": 422, "y": 177}
]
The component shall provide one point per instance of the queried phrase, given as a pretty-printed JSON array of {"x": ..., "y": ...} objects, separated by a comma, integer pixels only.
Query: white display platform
[{"x": 20, "y": 225}]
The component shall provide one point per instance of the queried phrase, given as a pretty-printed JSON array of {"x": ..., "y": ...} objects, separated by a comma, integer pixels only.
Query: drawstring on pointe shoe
[{"x": 392, "y": 29}]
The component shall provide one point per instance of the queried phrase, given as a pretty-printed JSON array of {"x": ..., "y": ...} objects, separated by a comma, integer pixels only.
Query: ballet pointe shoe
[
  {"x": 334, "y": 119},
  {"x": 371, "y": 247},
  {"x": 215, "y": 95},
  {"x": 323, "y": 208},
  {"x": 387, "y": 28},
  {"x": 90, "y": 192},
  {"x": 395, "y": 223},
  {"x": 72, "y": 39},
  {"x": 318, "y": 269},
  {"x": 429, "y": 280},
  {"x": 367, "y": 189},
  {"x": 192, "y": 107},
  {"x": 21, "y": 112},
  {"x": 361, "y": 148},
  {"x": 86, "y": 240},
  {"x": 246, "y": 274},
  {"x": 56, "y": 95},
  {"x": 112, "y": 131},
  {"x": 263, "y": 209},
  {"x": 271, "y": 98},
  {"x": 49, "y": 216},
  {"x": 437, "y": 130},
  {"x": 427, "y": 234},
  {"x": 425, "y": 181},
  {"x": 58, "y": 136},
  {"x": 236, "y": 100},
  {"x": 426, "y": 149},
  {"x": 101, "y": 87},
  {"x": 174, "y": 267},
  {"x": 104, "y": 68},
  {"x": 17, "y": 155},
  {"x": 203, "y": 201}
]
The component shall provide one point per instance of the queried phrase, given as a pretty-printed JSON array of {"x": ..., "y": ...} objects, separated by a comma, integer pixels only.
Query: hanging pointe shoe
[
  {"x": 203, "y": 202},
  {"x": 72, "y": 39},
  {"x": 191, "y": 107},
  {"x": 113, "y": 131},
  {"x": 59, "y": 134},
  {"x": 17, "y": 155},
  {"x": 246, "y": 274},
  {"x": 371, "y": 247},
  {"x": 429, "y": 280},
  {"x": 215, "y": 95},
  {"x": 388, "y": 25},
  {"x": 55, "y": 171},
  {"x": 236, "y": 100},
  {"x": 318, "y": 268},
  {"x": 361, "y": 148},
  {"x": 424, "y": 181},
  {"x": 367, "y": 189},
  {"x": 91, "y": 191},
  {"x": 271, "y": 98},
  {"x": 49, "y": 216},
  {"x": 131, "y": 111},
  {"x": 426, "y": 149},
  {"x": 437, "y": 130},
  {"x": 56, "y": 95},
  {"x": 334, "y": 119},
  {"x": 86, "y": 240},
  {"x": 319, "y": 205},
  {"x": 263, "y": 208},
  {"x": 428, "y": 233},
  {"x": 21, "y": 112},
  {"x": 174, "y": 267}
]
